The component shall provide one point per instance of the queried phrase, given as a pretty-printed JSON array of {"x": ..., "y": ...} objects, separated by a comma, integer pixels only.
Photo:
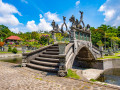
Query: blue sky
[{"x": 34, "y": 15}]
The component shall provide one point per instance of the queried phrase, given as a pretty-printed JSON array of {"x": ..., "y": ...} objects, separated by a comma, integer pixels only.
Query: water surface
[
  {"x": 16, "y": 60},
  {"x": 111, "y": 76}
]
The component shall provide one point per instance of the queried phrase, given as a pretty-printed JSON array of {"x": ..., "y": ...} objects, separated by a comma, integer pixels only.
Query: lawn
[
  {"x": 116, "y": 56},
  {"x": 11, "y": 52}
]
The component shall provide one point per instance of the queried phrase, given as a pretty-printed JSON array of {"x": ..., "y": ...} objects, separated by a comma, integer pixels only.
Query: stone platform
[{"x": 13, "y": 77}]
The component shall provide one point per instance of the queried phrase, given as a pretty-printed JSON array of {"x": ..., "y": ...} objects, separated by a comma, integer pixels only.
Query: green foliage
[
  {"x": 93, "y": 80},
  {"x": 51, "y": 40},
  {"x": 14, "y": 50},
  {"x": 59, "y": 36},
  {"x": 44, "y": 39},
  {"x": 72, "y": 74},
  {"x": 107, "y": 34},
  {"x": 5, "y": 32},
  {"x": 99, "y": 43},
  {"x": 9, "y": 49}
]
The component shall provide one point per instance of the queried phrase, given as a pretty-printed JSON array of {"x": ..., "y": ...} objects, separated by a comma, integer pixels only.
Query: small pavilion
[{"x": 14, "y": 39}]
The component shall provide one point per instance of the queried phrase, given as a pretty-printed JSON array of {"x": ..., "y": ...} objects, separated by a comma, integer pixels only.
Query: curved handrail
[
  {"x": 36, "y": 51},
  {"x": 68, "y": 47},
  {"x": 95, "y": 47}
]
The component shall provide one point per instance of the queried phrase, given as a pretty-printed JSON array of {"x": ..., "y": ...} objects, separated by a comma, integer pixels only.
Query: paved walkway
[{"x": 13, "y": 77}]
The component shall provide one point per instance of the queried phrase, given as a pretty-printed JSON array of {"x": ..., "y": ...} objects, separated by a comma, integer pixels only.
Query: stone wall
[{"x": 98, "y": 64}]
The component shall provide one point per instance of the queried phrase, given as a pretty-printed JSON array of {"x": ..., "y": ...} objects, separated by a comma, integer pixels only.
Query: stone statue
[
  {"x": 81, "y": 19},
  {"x": 53, "y": 24},
  {"x": 64, "y": 23},
  {"x": 72, "y": 19},
  {"x": 88, "y": 26}
]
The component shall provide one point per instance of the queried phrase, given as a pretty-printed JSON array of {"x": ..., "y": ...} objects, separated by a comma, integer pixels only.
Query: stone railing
[
  {"x": 26, "y": 57},
  {"x": 65, "y": 58}
]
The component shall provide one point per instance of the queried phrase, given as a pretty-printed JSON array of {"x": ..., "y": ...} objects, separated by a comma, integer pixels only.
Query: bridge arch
[{"x": 82, "y": 53}]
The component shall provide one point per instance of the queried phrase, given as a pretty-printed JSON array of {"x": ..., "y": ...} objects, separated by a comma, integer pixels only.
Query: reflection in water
[
  {"x": 12, "y": 60},
  {"x": 111, "y": 76}
]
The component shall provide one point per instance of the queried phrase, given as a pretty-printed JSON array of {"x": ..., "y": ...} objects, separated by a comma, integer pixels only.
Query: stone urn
[
  {"x": 101, "y": 48},
  {"x": 23, "y": 49},
  {"x": 62, "y": 46}
]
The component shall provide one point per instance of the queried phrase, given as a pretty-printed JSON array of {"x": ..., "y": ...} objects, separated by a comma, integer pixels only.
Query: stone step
[
  {"x": 45, "y": 63},
  {"x": 54, "y": 47},
  {"x": 51, "y": 53},
  {"x": 54, "y": 50},
  {"x": 47, "y": 59},
  {"x": 49, "y": 56},
  {"x": 43, "y": 68}
]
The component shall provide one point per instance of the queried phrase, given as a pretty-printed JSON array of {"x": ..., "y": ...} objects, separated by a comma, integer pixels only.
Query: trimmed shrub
[
  {"x": 9, "y": 49},
  {"x": 14, "y": 50}
]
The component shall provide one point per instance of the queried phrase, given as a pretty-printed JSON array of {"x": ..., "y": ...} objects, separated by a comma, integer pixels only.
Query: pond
[
  {"x": 12, "y": 60},
  {"x": 111, "y": 76}
]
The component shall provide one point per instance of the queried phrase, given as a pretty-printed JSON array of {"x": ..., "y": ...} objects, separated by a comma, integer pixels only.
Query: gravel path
[{"x": 13, "y": 77}]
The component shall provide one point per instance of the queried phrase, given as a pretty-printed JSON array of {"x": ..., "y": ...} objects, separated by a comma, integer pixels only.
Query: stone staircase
[{"x": 48, "y": 60}]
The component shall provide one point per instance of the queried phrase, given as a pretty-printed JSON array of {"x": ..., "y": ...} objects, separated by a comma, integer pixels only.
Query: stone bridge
[{"x": 59, "y": 57}]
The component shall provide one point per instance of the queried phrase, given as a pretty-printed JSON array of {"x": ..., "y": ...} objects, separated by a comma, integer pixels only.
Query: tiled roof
[{"x": 13, "y": 38}]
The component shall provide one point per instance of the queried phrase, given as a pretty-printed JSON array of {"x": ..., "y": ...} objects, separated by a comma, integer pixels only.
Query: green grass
[
  {"x": 39, "y": 79},
  {"x": 5, "y": 52},
  {"x": 72, "y": 74},
  {"x": 11, "y": 52},
  {"x": 112, "y": 57},
  {"x": 93, "y": 80}
]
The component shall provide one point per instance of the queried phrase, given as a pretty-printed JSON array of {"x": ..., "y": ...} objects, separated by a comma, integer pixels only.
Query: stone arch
[
  {"x": 77, "y": 53},
  {"x": 85, "y": 53}
]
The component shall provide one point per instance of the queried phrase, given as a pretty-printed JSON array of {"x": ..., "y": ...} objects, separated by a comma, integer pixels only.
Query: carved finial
[
  {"x": 53, "y": 24},
  {"x": 64, "y": 18},
  {"x": 72, "y": 19},
  {"x": 64, "y": 23},
  {"x": 81, "y": 19},
  {"x": 88, "y": 26}
]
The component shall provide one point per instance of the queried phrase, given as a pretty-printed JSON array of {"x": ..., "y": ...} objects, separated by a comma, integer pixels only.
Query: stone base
[
  {"x": 23, "y": 64},
  {"x": 62, "y": 73}
]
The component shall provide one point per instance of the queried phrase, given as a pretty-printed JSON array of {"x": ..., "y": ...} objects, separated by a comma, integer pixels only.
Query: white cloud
[
  {"x": 6, "y": 14},
  {"x": 77, "y": 3},
  {"x": 111, "y": 11},
  {"x": 25, "y": 1},
  {"x": 32, "y": 26},
  {"x": 45, "y": 22},
  {"x": 43, "y": 25},
  {"x": 15, "y": 30},
  {"x": 40, "y": 15},
  {"x": 52, "y": 16}
]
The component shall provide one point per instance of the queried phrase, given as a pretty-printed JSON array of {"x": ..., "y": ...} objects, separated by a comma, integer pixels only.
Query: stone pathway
[{"x": 13, "y": 77}]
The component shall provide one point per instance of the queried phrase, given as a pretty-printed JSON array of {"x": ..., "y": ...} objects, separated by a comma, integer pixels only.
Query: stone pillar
[
  {"x": 24, "y": 61},
  {"x": 62, "y": 68},
  {"x": 53, "y": 36},
  {"x": 73, "y": 37},
  {"x": 82, "y": 36},
  {"x": 101, "y": 50},
  {"x": 90, "y": 36},
  {"x": 79, "y": 36},
  {"x": 86, "y": 37}
]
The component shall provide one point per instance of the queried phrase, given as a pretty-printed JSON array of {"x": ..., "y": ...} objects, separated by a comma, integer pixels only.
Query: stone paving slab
[
  {"x": 91, "y": 73},
  {"x": 13, "y": 77},
  {"x": 9, "y": 55}
]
